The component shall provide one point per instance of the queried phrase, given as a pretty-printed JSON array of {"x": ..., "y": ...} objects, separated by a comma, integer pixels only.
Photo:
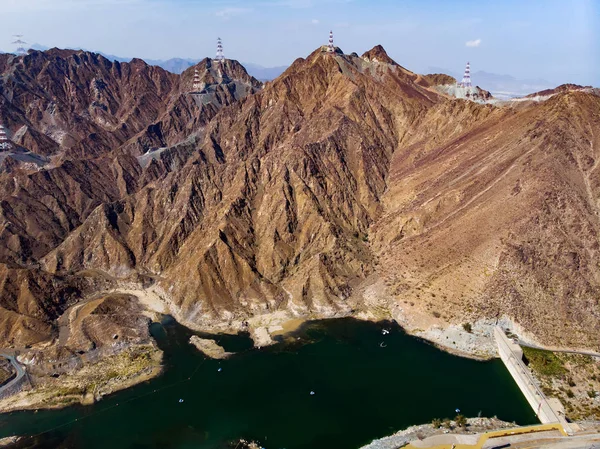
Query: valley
[{"x": 347, "y": 187}]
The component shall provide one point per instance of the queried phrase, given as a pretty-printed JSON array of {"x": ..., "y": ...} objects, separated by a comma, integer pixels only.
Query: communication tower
[
  {"x": 197, "y": 86},
  {"x": 5, "y": 143},
  {"x": 220, "y": 56},
  {"x": 466, "y": 81}
]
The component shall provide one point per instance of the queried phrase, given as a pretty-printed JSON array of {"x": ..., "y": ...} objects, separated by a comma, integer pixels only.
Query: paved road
[
  {"x": 567, "y": 351},
  {"x": 19, "y": 369},
  {"x": 543, "y": 436},
  {"x": 574, "y": 442}
]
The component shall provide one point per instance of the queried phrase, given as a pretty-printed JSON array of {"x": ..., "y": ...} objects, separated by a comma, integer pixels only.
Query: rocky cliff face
[
  {"x": 85, "y": 104},
  {"x": 347, "y": 185},
  {"x": 271, "y": 210},
  {"x": 86, "y": 119},
  {"x": 78, "y": 104}
]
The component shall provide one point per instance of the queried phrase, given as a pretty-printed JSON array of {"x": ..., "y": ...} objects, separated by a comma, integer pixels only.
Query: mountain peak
[
  {"x": 213, "y": 71},
  {"x": 568, "y": 87},
  {"x": 325, "y": 49},
  {"x": 378, "y": 54}
]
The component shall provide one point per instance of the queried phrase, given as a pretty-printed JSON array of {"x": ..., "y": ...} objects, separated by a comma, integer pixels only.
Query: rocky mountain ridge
[{"x": 348, "y": 185}]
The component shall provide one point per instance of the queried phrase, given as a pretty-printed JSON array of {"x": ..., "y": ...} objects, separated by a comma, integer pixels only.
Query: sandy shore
[
  {"x": 8, "y": 441},
  {"x": 477, "y": 344},
  {"x": 288, "y": 326}
]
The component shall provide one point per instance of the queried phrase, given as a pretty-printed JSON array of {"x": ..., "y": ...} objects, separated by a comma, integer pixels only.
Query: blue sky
[{"x": 555, "y": 40}]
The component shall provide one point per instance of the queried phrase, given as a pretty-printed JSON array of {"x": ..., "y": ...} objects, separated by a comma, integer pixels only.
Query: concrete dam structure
[{"x": 548, "y": 410}]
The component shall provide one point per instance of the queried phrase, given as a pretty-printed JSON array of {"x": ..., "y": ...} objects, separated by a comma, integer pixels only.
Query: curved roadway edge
[
  {"x": 566, "y": 351},
  {"x": 13, "y": 385},
  {"x": 520, "y": 437}
]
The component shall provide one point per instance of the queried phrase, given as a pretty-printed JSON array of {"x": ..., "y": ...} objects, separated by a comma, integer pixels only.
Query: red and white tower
[
  {"x": 466, "y": 81},
  {"x": 330, "y": 47},
  {"x": 20, "y": 43},
  {"x": 220, "y": 56},
  {"x": 5, "y": 143},
  {"x": 197, "y": 86}
]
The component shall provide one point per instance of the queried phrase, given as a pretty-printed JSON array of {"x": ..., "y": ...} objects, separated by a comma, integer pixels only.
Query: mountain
[
  {"x": 500, "y": 86},
  {"x": 347, "y": 186},
  {"x": 560, "y": 89},
  {"x": 39, "y": 47},
  {"x": 86, "y": 114},
  {"x": 180, "y": 65},
  {"x": 175, "y": 65}
]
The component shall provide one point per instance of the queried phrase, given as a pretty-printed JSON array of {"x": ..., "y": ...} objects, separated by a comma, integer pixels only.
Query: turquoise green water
[{"x": 362, "y": 391}]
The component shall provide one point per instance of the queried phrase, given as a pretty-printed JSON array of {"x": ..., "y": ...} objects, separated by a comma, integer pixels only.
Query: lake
[{"x": 366, "y": 385}]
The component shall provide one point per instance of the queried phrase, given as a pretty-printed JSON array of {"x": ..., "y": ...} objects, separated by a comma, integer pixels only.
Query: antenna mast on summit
[
  {"x": 466, "y": 81},
  {"x": 197, "y": 86},
  {"x": 330, "y": 47},
  {"x": 5, "y": 143},
  {"x": 220, "y": 56},
  {"x": 19, "y": 42}
]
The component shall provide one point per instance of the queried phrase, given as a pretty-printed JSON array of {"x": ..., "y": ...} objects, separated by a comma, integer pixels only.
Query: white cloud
[
  {"x": 228, "y": 12},
  {"x": 474, "y": 43},
  {"x": 315, "y": 21}
]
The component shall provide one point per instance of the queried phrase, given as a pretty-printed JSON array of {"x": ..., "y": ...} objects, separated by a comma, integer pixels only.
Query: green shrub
[
  {"x": 570, "y": 393},
  {"x": 543, "y": 362},
  {"x": 467, "y": 327},
  {"x": 460, "y": 421},
  {"x": 591, "y": 393}
]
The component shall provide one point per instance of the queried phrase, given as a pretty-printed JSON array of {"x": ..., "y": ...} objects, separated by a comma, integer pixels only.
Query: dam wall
[{"x": 547, "y": 410}]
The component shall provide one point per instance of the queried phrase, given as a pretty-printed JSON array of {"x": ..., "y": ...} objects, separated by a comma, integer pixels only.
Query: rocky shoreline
[
  {"x": 209, "y": 348},
  {"x": 422, "y": 431},
  {"x": 90, "y": 383},
  {"x": 474, "y": 341}
]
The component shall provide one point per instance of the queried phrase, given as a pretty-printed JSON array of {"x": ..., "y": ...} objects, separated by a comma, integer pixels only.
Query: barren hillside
[{"x": 348, "y": 185}]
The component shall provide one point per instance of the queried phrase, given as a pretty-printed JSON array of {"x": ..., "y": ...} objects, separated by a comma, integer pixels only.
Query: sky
[{"x": 558, "y": 41}]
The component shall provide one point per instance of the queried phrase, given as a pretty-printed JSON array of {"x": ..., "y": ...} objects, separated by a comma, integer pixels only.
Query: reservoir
[{"x": 366, "y": 384}]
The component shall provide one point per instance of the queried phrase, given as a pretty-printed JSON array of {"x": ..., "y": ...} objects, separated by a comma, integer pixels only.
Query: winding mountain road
[
  {"x": 19, "y": 370},
  {"x": 566, "y": 351}
]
